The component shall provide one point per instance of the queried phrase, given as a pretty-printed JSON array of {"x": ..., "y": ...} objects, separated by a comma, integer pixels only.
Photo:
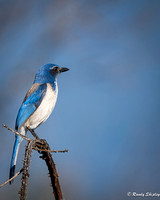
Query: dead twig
[
  {"x": 1, "y": 185},
  {"x": 28, "y": 139},
  {"x": 26, "y": 165},
  {"x": 51, "y": 151},
  {"x": 52, "y": 170},
  {"x": 43, "y": 148},
  {"x": 24, "y": 137}
]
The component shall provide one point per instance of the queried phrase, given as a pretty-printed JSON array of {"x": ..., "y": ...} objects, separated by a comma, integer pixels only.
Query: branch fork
[{"x": 43, "y": 148}]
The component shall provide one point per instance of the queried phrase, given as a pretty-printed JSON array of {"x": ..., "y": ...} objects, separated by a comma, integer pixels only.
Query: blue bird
[{"x": 37, "y": 105}]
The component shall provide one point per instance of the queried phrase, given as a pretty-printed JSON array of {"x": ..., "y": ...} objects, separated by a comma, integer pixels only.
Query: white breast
[{"x": 45, "y": 108}]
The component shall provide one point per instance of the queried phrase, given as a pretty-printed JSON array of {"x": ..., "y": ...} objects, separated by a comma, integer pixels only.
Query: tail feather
[{"x": 14, "y": 157}]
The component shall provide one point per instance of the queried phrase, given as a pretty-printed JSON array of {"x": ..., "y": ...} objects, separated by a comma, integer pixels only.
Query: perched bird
[{"x": 37, "y": 105}]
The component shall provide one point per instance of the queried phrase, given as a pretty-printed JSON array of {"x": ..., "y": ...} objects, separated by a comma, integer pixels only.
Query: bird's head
[
  {"x": 55, "y": 70},
  {"x": 48, "y": 73}
]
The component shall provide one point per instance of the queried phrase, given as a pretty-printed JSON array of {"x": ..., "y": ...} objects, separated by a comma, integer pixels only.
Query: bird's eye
[{"x": 55, "y": 68}]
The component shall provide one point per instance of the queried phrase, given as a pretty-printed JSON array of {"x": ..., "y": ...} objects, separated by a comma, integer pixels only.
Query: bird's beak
[{"x": 63, "y": 69}]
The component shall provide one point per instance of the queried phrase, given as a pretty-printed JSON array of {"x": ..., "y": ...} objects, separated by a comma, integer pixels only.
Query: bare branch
[
  {"x": 43, "y": 148},
  {"x": 52, "y": 171},
  {"x": 1, "y": 185},
  {"x": 26, "y": 138},
  {"x": 51, "y": 151},
  {"x": 26, "y": 165}
]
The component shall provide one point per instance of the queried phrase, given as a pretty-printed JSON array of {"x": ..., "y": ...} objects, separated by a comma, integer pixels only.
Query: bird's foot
[{"x": 34, "y": 134}]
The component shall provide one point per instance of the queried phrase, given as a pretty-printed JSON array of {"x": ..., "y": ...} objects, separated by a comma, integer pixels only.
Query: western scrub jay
[{"x": 37, "y": 105}]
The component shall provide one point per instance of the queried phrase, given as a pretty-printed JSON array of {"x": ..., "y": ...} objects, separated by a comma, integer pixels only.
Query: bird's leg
[{"x": 33, "y": 133}]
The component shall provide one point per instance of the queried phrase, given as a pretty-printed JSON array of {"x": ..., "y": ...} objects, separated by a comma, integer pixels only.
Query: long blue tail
[{"x": 14, "y": 157}]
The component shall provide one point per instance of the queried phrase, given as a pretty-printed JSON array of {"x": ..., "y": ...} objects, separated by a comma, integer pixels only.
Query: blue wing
[{"x": 31, "y": 102}]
